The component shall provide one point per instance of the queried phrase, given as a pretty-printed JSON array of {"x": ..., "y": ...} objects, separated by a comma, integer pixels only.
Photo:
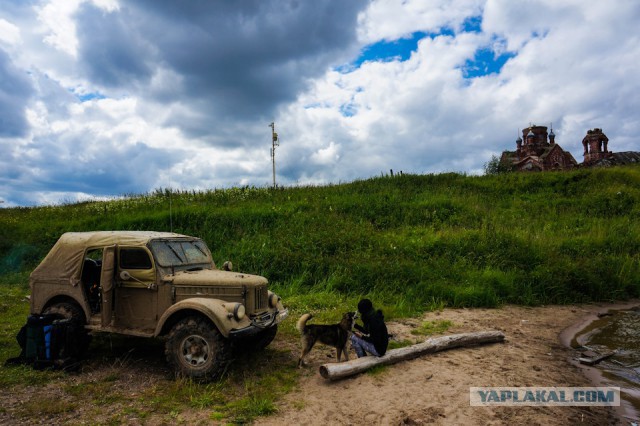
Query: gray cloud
[
  {"x": 78, "y": 166},
  {"x": 15, "y": 91},
  {"x": 113, "y": 52},
  {"x": 239, "y": 59}
]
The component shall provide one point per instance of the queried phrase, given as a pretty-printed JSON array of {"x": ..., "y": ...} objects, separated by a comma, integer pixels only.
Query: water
[{"x": 620, "y": 332}]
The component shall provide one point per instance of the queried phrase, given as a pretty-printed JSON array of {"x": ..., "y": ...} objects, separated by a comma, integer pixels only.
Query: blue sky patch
[
  {"x": 485, "y": 62},
  {"x": 472, "y": 24},
  {"x": 85, "y": 97},
  {"x": 348, "y": 110},
  {"x": 401, "y": 49},
  {"x": 387, "y": 51}
]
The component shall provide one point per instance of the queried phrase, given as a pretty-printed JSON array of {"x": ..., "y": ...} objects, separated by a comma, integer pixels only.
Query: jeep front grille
[
  {"x": 255, "y": 299},
  {"x": 229, "y": 294},
  {"x": 261, "y": 298}
]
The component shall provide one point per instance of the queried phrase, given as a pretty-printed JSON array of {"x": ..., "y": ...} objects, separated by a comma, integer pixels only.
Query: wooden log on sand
[{"x": 340, "y": 370}]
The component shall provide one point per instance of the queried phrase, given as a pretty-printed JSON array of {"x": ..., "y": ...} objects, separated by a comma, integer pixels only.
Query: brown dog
[{"x": 336, "y": 335}]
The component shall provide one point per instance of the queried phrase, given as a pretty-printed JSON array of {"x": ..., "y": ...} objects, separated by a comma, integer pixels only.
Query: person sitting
[{"x": 372, "y": 337}]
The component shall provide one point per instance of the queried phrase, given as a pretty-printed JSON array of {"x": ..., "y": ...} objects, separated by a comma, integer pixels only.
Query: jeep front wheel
[{"x": 195, "y": 348}]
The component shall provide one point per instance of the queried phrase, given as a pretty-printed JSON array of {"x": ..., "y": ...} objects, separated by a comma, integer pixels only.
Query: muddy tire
[
  {"x": 196, "y": 349},
  {"x": 71, "y": 310},
  {"x": 66, "y": 310}
]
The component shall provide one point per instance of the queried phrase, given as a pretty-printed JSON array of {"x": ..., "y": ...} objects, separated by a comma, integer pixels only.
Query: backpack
[{"x": 48, "y": 341}]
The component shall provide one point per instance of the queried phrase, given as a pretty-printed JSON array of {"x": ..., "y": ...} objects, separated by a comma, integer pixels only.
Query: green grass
[
  {"x": 395, "y": 344},
  {"x": 428, "y": 328},
  {"x": 411, "y": 242},
  {"x": 46, "y": 407}
]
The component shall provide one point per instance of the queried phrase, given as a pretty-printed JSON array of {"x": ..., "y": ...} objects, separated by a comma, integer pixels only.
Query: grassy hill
[{"x": 412, "y": 242}]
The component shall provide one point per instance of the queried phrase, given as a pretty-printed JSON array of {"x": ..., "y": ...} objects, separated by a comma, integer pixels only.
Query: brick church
[{"x": 537, "y": 150}]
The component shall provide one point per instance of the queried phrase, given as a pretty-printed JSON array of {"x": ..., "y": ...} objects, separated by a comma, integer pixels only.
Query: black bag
[
  {"x": 47, "y": 341},
  {"x": 38, "y": 337}
]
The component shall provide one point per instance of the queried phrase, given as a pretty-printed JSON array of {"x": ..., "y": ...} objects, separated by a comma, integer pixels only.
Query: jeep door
[
  {"x": 106, "y": 284},
  {"x": 136, "y": 292}
]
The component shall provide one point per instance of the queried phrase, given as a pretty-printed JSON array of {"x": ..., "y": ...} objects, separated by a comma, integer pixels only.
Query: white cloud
[
  {"x": 328, "y": 155},
  {"x": 393, "y": 19},
  {"x": 9, "y": 33},
  {"x": 58, "y": 22},
  {"x": 59, "y": 26}
]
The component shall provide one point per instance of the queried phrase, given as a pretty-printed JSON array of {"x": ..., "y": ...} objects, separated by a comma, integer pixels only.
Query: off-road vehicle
[{"x": 155, "y": 284}]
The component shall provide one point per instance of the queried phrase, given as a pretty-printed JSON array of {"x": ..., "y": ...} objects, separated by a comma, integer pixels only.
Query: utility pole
[{"x": 274, "y": 143}]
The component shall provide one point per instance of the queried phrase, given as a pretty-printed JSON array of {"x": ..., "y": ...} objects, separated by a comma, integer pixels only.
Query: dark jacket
[{"x": 375, "y": 330}]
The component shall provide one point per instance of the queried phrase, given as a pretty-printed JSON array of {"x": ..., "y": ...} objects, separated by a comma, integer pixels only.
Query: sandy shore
[
  {"x": 432, "y": 389},
  {"x": 435, "y": 388}
]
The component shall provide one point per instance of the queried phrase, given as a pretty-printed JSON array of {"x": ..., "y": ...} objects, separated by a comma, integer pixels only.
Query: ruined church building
[{"x": 537, "y": 150}]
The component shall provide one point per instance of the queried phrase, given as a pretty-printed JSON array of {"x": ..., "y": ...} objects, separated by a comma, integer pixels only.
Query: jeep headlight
[
  {"x": 236, "y": 310},
  {"x": 273, "y": 300}
]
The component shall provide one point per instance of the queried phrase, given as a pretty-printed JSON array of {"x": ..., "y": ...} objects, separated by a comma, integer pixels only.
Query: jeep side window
[{"x": 134, "y": 258}]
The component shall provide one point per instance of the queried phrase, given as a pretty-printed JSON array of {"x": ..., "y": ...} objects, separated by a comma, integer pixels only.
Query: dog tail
[{"x": 302, "y": 322}]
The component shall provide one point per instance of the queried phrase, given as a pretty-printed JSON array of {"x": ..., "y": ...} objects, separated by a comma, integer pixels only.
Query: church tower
[{"x": 595, "y": 146}]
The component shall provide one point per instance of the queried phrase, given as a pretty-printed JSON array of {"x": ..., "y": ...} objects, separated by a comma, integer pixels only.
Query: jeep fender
[
  {"x": 214, "y": 309},
  {"x": 62, "y": 296}
]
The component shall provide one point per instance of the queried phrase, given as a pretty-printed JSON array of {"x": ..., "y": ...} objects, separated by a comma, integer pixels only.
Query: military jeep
[{"x": 157, "y": 284}]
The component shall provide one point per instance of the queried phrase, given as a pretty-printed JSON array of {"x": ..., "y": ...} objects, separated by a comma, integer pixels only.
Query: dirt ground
[{"x": 432, "y": 389}]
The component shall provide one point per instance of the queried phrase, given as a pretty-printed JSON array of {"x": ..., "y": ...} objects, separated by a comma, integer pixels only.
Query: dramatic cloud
[
  {"x": 101, "y": 98},
  {"x": 15, "y": 90}
]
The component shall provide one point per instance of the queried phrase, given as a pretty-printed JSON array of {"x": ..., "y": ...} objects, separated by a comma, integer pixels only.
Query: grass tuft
[{"x": 429, "y": 328}]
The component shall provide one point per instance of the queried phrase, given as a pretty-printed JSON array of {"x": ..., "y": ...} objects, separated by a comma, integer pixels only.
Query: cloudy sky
[{"x": 100, "y": 98}]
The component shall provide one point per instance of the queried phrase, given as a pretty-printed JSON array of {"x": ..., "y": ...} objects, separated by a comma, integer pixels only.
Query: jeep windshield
[{"x": 170, "y": 253}]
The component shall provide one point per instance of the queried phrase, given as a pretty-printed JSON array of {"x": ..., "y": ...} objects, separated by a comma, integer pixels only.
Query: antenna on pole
[
  {"x": 170, "y": 210},
  {"x": 170, "y": 191},
  {"x": 274, "y": 143}
]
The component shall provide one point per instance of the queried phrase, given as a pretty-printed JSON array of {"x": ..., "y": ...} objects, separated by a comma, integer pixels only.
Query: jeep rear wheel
[{"x": 195, "y": 348}]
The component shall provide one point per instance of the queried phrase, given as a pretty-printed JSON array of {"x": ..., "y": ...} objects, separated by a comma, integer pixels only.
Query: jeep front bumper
[{"x": 259, "y": 324}]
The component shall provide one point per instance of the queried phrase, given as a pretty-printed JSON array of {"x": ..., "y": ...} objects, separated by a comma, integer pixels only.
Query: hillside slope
[{"x": 412, "y": 240}]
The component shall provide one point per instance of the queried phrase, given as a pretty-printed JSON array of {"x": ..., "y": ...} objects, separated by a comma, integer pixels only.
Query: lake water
[{"x": 620, "y": 332}]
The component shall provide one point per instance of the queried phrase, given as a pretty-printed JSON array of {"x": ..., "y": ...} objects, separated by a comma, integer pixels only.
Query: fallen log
[{"x": 340, "y": 370}]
